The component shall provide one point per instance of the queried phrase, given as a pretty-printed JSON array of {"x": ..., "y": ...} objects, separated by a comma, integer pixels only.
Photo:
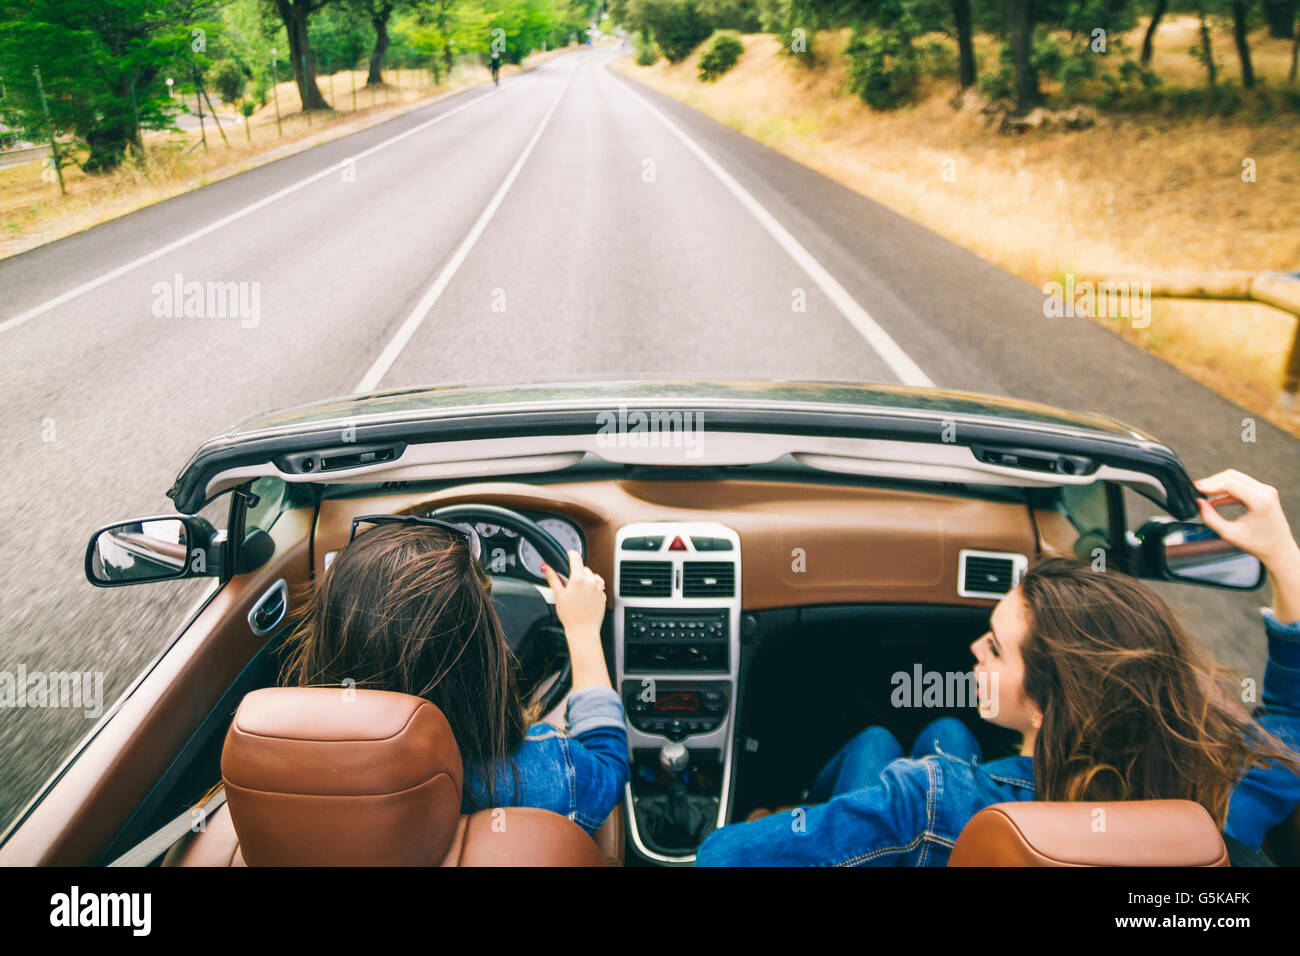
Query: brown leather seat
[
  {"x": 318, "y": 776},
  {"x": 1130, "y": 833}
]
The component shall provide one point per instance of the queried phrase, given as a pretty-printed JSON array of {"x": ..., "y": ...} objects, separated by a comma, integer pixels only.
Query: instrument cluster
[{"x": 504, "y": 552}]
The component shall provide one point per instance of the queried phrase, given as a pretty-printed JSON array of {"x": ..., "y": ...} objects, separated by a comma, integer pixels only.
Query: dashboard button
[
  {"x": 711, "y": 544},
  {"x": 643, "y": 543}
]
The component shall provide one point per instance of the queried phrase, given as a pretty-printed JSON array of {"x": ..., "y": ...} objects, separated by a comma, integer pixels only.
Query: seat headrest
[
  {"x": 1126, "y": 833},
  {"x": 331, "y": 776}
]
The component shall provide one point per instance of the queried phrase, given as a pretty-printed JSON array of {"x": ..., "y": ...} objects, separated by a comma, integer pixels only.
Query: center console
[{"x": 677, "y": 644}]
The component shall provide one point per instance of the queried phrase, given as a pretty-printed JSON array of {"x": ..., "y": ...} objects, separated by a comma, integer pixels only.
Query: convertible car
[{"x": 778, "y": 552}]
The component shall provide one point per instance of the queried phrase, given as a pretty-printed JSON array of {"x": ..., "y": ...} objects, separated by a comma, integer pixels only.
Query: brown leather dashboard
[{"x": 800, "y": 543}]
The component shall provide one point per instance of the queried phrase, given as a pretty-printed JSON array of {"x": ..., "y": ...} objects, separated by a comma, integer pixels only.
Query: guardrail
[
  {"x": 24, "y": 154},
  {"x": 1281, "y": 290}
]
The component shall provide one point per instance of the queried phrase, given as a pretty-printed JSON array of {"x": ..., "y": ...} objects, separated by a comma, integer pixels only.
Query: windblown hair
[
  {"x": 406, "y": 608},
  {"x": 1132, "y": 708}
]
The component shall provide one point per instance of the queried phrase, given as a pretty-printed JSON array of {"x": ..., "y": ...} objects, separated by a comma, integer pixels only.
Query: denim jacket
[
  {"x": 915, "y": 814},
  {"x": 1267, "y": 795},
  {"x": 580, "y": 774}
]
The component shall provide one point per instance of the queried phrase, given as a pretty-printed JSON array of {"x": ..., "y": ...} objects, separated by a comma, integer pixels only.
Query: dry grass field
[{"x": 1135, "y": 193}]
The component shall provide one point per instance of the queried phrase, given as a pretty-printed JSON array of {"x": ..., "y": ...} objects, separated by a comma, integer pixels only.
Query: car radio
[
  {"x": 675, "y": 710},
  {"x": 660, "y": 639}
]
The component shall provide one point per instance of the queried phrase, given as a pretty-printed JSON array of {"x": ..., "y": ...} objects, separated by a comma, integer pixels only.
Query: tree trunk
[
  {"x": 108, "y": 141},
  {"x": 1243, "y": 46},
  {"x": 1280, "y": 15},
  {"x": 380, "y": 22},
  {"x": 1207, "y": 51},
  {"x": 1020, "y": 20},
  {"x": 294, "y": 13},
  {"x": 1149, "y": 39},
  {"x": 965, "y": 46},
  {"x": 112, "y": 135}
]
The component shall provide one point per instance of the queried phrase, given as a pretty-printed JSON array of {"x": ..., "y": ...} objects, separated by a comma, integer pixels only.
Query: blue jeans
[
  {"x": 859, "y": 763},
  {"x": 870, "y": 808}
]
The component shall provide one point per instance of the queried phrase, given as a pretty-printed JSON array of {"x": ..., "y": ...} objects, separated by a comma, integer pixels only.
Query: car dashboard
[{"x": 686, "y": 559}]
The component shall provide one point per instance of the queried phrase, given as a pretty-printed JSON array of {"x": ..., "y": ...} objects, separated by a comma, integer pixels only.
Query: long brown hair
[
  {"x": 1133, "y": 709},
  {"x": 406, "y": 608}
]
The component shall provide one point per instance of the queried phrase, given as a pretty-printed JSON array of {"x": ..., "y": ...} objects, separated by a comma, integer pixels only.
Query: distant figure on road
[{"x": 494, "y": 64}]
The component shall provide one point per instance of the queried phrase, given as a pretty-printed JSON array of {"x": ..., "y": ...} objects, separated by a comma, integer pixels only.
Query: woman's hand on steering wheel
[{"x": 580, "y": 606}]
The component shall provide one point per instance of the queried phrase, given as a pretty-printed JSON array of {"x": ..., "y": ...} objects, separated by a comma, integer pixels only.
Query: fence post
[
  {"x": 203, "y": 133},
  {"x": 275, "y": 89}
]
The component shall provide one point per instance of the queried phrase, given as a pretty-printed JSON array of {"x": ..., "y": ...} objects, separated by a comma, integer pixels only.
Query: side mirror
[
  {"x": 163, "y": 548},
  {"x": 1190, "y": 552}
]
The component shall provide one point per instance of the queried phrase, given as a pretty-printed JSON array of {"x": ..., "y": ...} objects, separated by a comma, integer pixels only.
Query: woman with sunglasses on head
[
  {"x": 407, "y": 607},
  {"x": 1113, "y": 699}
]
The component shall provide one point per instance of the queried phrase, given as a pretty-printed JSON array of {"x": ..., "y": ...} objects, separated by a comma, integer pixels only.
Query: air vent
[
  {"x": 713, "y": 579},
  {"x": 645, "y": 579},
  {"x": 989, "y": 574}
]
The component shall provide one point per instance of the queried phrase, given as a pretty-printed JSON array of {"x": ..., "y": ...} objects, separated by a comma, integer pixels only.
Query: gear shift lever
[
  {"x": 674, "y": 758},
  {"x": 675, "y": 820}
]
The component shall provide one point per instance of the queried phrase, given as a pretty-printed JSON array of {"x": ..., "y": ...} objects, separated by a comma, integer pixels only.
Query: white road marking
[
  {"x": 899, "y": 362},
  {"x": 85, "y": 287},
  {"x": 370, "y": 381}
]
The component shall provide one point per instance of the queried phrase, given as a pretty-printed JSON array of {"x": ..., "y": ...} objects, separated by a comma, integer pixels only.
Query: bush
[
  {"x": 261, "y": 88},
  {"x": 743, "y": 16},
  {"x": 939, "y": 59},
  {"x": 1049, "y": 60},
  {"x": 1075, "y": 69},
  {"x": 721, "y": 55},
  {"x": 999, "y": 84},
  {"x": 882, "y": 68},
  {"x": 1132, "y": 88},
  {"x": 646, "y": 54},
  {"x": 228, "y": 80},
  {"x": 678, "y": 26}
]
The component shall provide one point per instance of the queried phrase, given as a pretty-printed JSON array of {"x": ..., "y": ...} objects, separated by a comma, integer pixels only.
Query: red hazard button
[{"x": 678, "y": 544}]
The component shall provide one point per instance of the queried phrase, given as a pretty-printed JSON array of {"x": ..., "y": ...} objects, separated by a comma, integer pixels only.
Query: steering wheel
[{"x": 524, "y": 613}]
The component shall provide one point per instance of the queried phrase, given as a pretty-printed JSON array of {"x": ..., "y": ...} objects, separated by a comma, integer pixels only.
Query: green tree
[
  {"x": 103, "y": 63},
  {"x": 296, "y": 15},
  {"x": 678, "y": 26},
  {"x": 227, "y": 80},
  {"x": 378, "y": 14},
  {"x": 340, "y": 37}
]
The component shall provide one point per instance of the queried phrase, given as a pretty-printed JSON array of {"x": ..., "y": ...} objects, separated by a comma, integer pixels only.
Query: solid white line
[
  {"x": 908, "y": 372},
  {"x": 427, "y": 301},
  {"x": 71, "y": 294}
]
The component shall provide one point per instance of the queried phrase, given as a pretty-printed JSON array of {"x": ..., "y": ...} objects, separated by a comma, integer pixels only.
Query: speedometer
[{"x": 563, "y": 532}]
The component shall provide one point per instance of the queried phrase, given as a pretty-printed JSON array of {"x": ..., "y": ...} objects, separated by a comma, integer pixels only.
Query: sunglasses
[{"x": 475, "y": 544}]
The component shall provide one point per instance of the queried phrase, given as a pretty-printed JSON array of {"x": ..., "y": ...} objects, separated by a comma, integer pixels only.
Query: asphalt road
[{"x": 570, "y": 232}]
